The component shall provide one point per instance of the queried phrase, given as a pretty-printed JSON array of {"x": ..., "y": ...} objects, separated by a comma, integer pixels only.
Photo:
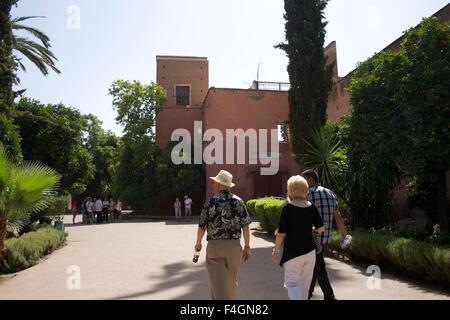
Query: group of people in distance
[
  {"x": 309, "y": 214},
  {"x": 187, "y": 207},
  {"x": 98, "y": 210}
]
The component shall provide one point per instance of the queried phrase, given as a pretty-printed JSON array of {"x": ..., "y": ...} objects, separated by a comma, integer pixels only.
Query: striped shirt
[{"x": 326, "y": 202}]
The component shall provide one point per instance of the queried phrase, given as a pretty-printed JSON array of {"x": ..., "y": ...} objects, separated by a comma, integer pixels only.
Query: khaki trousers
[{"x": 223, "y": 258}]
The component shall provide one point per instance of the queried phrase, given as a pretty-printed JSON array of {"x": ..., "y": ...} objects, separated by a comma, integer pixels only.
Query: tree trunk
[
  {"x": 3, "y": 229},
  {"x": 443, "y": 208}
]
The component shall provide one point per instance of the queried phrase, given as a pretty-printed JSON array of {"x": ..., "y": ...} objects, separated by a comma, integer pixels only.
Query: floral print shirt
[{"x": 223, "y": 216}]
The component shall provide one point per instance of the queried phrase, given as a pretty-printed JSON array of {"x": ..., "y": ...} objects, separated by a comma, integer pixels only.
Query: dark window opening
[{"x": 183, "y": 98}]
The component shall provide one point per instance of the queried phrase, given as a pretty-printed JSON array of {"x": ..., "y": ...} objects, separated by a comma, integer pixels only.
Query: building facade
[{"x": 263, "y": 106}]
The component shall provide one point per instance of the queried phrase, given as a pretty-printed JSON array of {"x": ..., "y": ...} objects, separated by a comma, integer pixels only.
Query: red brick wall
[{"x": 245, "y": 109}]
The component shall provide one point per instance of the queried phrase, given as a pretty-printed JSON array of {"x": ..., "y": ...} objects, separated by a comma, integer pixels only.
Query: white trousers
[{"x": 298, "y": 274}]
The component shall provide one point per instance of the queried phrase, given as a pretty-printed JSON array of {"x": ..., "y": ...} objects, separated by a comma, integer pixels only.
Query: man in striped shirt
[{"x": 326, "y": 202}]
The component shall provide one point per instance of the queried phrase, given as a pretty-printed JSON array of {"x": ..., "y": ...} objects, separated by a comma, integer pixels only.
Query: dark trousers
[
  {"x": 321, "y": 276},
  {"x": 105, "y": 214},
  {"x": 99, "y": 216}
]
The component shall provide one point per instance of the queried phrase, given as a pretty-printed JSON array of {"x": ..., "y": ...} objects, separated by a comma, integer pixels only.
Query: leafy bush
[
  {"x": 26, "y": 251},
  {"x": 416, "y": 259},
  {"x": 267, "y": 212}
]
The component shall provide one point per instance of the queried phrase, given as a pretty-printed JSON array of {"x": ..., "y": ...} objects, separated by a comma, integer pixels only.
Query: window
[
  {"x": 283, "y": 133},
  {"x": 183, "y": 95}
]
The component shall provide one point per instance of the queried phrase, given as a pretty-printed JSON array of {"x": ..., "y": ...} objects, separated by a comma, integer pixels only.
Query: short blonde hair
[{"x": 298, "y": 188}]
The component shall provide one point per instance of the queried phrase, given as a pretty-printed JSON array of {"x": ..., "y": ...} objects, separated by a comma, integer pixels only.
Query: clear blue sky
[{"x": 119, "y": 39}]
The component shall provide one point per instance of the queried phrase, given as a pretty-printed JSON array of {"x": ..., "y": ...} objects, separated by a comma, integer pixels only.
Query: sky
[{"x": 98, "y": 42}]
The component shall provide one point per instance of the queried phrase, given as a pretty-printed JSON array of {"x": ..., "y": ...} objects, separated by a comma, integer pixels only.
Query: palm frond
[
  {"x": 38, "y": 54},
  {"x": 35, "y": 32}
]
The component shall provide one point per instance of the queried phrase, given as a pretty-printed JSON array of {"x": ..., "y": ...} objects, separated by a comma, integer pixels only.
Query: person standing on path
[
  {"x": 224, "y": 217},
  {"x": 297, "y": 220},
  {"x": 187, "y": 206},
  {"x": 177, "y": 207},
  {"x": 326, "y": 202},
  {"x": 98, "y": 210},
  {"x": 89, "y": 211}
]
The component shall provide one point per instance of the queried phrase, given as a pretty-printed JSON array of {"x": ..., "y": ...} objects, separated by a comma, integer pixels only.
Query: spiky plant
[{"x": 25, "y": 188}]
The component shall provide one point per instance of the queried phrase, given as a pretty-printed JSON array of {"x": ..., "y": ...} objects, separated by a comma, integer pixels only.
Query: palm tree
[
  {"x": 39, "y": 54},
  {"x": 25, "y": 188},
  {"x": 11, "y": 44},
  {"x": 325, "y": 155}
]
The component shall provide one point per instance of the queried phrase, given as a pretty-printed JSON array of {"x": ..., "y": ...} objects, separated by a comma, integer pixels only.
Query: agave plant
[
  {"x": 324, "y": 154},
  {"x": 25, "y": 188}
]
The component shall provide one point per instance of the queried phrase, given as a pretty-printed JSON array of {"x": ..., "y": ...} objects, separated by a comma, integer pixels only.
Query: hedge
[
  {"x": 26, "y": 251},
  {"x": 267, "y": 212},
  {"x": 417, "y": 259}
]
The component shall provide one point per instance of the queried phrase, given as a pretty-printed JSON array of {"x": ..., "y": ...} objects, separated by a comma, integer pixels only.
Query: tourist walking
[
  {"x": 224, "y": 217},
  {"x": 297, "y": 220},
  {"x": 177, "y": 207},
  {"x": 326, "y": 202}
]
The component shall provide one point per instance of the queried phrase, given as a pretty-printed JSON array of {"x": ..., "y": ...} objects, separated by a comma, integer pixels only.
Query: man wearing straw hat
[{"x": 224, "y": 217}]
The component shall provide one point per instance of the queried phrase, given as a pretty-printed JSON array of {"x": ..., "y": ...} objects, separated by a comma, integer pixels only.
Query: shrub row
[
  {"x": 267, "y": 211},
  {"x": 26, "y": 251},
  {"x": 417, "y": 259}
]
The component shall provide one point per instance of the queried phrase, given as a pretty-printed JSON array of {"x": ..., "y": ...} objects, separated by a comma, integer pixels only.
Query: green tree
[
  {"x": 53, "y": 135},
  {"x": 425, "y": 100},
  {"x": 309, "y": 74},
  {"x": 399, "y": 124},
  {"x": 24, "y": 188},
  {"x": 374, "y": 138},
  {"x": 104, "y": 147},
  {"x": 137, "y": 106}
]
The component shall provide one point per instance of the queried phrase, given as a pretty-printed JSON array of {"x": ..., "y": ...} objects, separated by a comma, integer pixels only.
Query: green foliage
[
  {"x": 55, "y": 211},
  {"x": 267, "y": 211},
  {"x": 417, "y": 259},
  {"x": 423, "y": 194},
  {"x": 145, "y": 171},
  {"x": 310, "y": 76},
  {"x": 53, "y": 135},
  {"x": 137, "y": 106},
  {"x": 10, "y": 136},
  {"x": 326, "y": 155},
  {"x": 8, "y": 65},
  {"x": 26, "y": 251},
  {"x": 104, "y": 147},
  {"x": 24, "y": 188},
  {"x": 399, "y": 125}
]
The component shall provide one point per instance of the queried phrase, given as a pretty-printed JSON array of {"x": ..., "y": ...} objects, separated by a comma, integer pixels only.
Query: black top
[{"x": 297, "y": 224}]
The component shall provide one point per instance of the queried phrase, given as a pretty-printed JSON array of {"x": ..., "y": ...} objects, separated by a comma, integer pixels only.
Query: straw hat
[{"x": 224, "y": 178}]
